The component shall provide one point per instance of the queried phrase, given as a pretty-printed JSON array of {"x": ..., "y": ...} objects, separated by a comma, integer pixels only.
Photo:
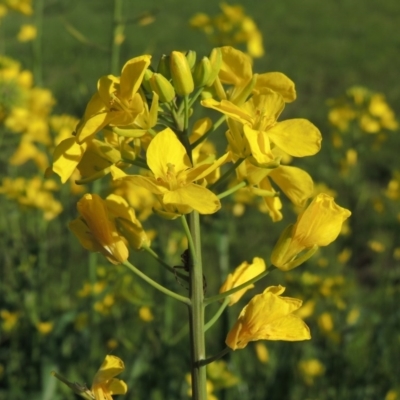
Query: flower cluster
[
  {"x": 231, "y": 27},
  {"x": 137, "y": 131},
  {"x": 368, "y": 109},
  {"x": 25, "y": 113}
]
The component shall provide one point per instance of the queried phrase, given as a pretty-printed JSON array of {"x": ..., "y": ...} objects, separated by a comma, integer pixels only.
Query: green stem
[
  {"x": 156, "y": 285},
  {"x": 232, "y": 190},
  {"x": 196, "y": 310},
  {"x": 214, "y": 358},
  {"x": 226, "y": 175},
  {"x": 215, "y": 317},
  {"x": 195, "y": 96},
  {"x": 118, "y": 29},
  {"x": 164, "y": 264},
  {"x": 221, "y": 296},
  {"x": 37, "y": 44},
  {"x": 139, "y": 162}
]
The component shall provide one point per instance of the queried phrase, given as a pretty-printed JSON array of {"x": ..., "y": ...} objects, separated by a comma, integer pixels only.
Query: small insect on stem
[{"x": 185, "y": 258}]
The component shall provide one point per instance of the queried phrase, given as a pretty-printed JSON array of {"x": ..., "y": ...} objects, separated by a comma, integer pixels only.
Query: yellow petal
[
  {"x": 81, "y": 231},
  {"x": 294, "y": 182},
  {"x": 116, "y": 386},
  {"x": 269, "y": 317},
  {"x": 297, "y": 137},
  {"x": 149, "y": 183},
  {"x": 111, "y": 367},
  {"x": 166, "y": 150},
  {"x": 236, "y": 67},
  {"x": 94, "y": 124},
  {"x": 132, "y": 75},
  {"x": 67, "y": 156},
  {"x": 279, "y": 83},
  {"x": 320, "y": 223},
  {"x": 229, "y": 109},
  {"x": 195, "y": 196},
  {"x": 243, "y": 273},
  {"x": 260, "y": 146},
  {"x": 106, "y": 87}
]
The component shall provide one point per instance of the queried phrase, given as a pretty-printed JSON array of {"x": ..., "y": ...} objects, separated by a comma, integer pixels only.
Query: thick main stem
[{"x": 196, "y": 311}]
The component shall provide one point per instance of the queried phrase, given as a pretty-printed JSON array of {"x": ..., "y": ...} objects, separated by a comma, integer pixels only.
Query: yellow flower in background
[
  {"x": 22, "y": 6},
  {"x": 44, "y": 327},
  {"x": 318, "y": 225},
  {"x": 262, "y": 352},
  {"x": 392, "y": 395},
  {"x": 268, "y": 316},
  {"x": 325, "y": 322},
  {"x": 233, "y": 26},
  {"x": 10, "y": 320},
  {"x": 174, "y": 176},
  {"x": 33, "y": 193},
  {"x": 105, "y": 385},
  {"x": 96, "y": 231},
  {"x": 367, "y": 109},
  {"x": 243, "y": 273},
  {"x": 311, "y": 369},
  {"x": 27, "y": 33},
  {"x": 117, "y": 101},
  {"x": 145, "y": 314}
]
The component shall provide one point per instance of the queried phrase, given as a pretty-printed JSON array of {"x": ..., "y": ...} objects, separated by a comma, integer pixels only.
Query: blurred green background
[{"x": 352, "y": 288}]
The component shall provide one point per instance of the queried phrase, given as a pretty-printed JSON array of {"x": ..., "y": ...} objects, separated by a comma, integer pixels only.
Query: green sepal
[
  {"x": 163, "y": 66},
  {"x": 281, "y": 246},
  {"x": 191, "y": 57},
  {"x": 202, "y": 71},
  {"x": 80, "y": 390},
  {"x": 299, "y": 259}
]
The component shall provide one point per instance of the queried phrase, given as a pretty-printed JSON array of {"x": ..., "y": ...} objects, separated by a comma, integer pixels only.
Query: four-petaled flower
[
  {"x": 268, "y": 316},
  {"x": 174, "y": 177}
]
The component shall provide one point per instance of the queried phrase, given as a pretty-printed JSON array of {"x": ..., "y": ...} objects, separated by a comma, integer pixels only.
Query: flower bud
[
  {"x": 146, "y": 80},
  {"x": 162, "y": 87},
  {"x": 216, "y": 62},
  {"x": 191, "y": 57},
  {"x": 202, "y": 72},
  {"x": 181, "y": 74},
  {"x": 163, "y": 66}
]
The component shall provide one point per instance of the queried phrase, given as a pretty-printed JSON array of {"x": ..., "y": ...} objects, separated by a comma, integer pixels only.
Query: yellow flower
[
  {"x": 45, "y": 327},
  {"x": 243, "y": 273},
  {"x": 310, "y": 369},
  {"x": 10, "y": 319},
  {"x": 104, "y": 384},
  {"x": 27, "y": 33},
  {"x": 117, "y": 101},
  {"x": 294, "y": 182},
  {"x": 22, "y": 6},
  {"x": 318, "y": 225},
  {"x": 268, "y": 316},
  {"x": 232, "y": 26},
  {"x": 262, "y": 352},
  {"x": 325, "y": 322},
  {"x": 145, "y": 314},
  {"x": 258, "y": 116},
  {"x": 96, "y": 231},
  {"x": 174, "y": 176}
]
